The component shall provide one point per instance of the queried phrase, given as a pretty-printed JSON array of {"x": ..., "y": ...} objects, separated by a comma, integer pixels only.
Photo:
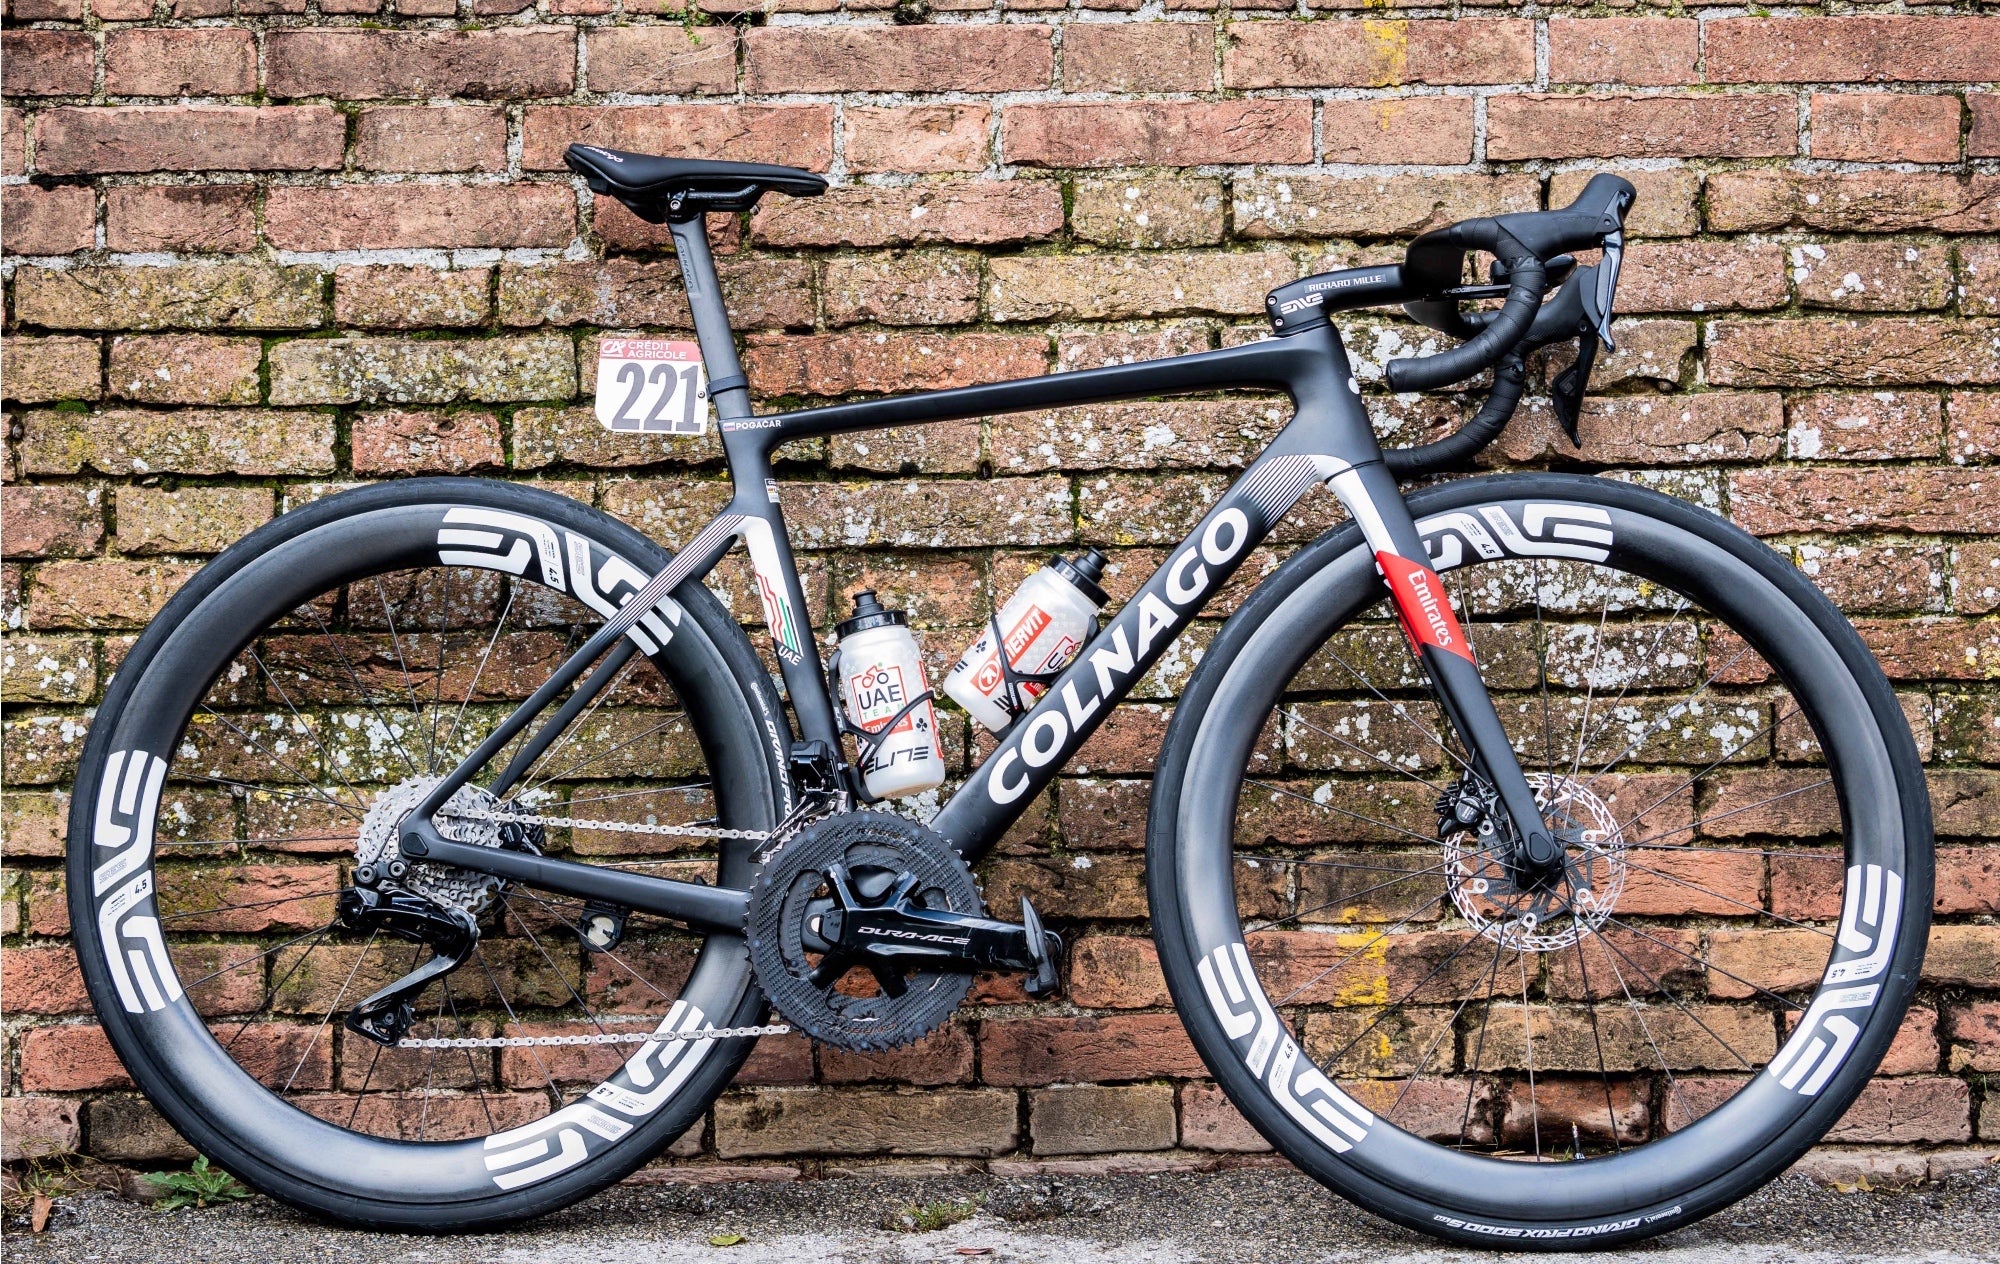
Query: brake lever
[{"x": 1566, "y": 392}]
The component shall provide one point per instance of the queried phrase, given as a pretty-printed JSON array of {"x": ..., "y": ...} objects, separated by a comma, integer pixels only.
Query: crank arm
[
  {"x": 937, "y": 939},
  {"x": 715, "y": 909}
]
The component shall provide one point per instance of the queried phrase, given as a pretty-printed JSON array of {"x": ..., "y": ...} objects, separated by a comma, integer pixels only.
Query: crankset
[
  {"x": 450, "y": 931},
  {"x": 865, "y": 930}
]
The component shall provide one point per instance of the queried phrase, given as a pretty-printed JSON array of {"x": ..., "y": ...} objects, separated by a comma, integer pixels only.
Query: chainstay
[{"x": 599, "y": 1038}]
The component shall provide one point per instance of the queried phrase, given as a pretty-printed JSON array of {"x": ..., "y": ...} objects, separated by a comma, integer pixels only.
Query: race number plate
[{"x": 651, "y": 386}]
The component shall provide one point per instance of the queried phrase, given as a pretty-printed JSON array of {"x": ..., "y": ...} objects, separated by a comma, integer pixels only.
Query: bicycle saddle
[{"x": 658, "y": 188}]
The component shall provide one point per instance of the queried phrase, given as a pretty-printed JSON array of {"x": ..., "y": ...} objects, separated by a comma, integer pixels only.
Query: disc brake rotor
[
  {"x": 1552, "y": 914},
  {"x": 876, "y": 856}
]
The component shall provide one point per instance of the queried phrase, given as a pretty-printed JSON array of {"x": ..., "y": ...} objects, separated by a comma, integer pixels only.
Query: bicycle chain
[{"x": 601, "y": 1038}]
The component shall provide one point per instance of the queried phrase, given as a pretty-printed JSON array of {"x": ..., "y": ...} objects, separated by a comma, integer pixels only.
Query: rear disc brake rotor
[{"x": 858, "y": 1008}]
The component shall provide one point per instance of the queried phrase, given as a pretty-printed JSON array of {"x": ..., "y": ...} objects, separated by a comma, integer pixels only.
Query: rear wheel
[
  {"x": 259, "y": 746},
  {"x": 1598, "y": 1053}
]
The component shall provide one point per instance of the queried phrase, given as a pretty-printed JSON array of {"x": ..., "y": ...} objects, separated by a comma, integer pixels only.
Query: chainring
[{"x": 792, "y": 894}]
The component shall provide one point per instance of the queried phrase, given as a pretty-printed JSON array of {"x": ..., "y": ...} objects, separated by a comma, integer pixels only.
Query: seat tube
[
  {"x": 1423, "y": 607},
  {"x": 728, "y": 389}
]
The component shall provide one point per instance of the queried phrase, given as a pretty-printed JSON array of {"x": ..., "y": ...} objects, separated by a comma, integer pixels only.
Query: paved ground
[{"x": 1244, "y": 1217}]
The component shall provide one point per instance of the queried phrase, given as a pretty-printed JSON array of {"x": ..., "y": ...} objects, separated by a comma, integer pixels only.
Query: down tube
[{"x": 1042, "y": 741}]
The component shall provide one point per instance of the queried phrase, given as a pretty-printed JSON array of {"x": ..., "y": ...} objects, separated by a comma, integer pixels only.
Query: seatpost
[{"x": 728, "y": 388}]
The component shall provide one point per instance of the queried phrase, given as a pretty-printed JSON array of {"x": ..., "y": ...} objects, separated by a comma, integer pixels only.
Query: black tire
[
  {"x": 187, "y": 696},
  {"x": 1228, "y": 845}
]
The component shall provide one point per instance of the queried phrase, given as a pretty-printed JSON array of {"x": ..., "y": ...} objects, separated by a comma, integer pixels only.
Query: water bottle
[
  {"x": 1042, "y": 628},
  {"x": 887, "y": 701}
]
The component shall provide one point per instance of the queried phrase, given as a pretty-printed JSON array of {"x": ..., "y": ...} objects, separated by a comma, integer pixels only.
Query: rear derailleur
[{"x": 451, "y": 932}]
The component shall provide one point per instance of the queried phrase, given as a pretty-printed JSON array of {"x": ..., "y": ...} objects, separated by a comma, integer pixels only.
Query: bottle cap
[
  {"x": 1084, "y": 572},
  {"x": 868, "y": 613}
]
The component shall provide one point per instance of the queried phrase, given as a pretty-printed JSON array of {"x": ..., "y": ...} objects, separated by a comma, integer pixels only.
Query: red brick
[
  {"x": 1666, "y": 205},
  {"x": 1148, "y": 212},
  {"x": 43, "y": 981},
  {"x": 1773, "y": 501},
  {"x": 13, "y": 143},
  {"x": 1984, "y": 140},
  {"x": 1332, "y": 206},
  {"x": 189, "y": 138},
  {"x": 661, "y": 59},
  {"x": 48, "y": 63},
  {"x": 185, "y": 369},
  {"x": 1824, "y": 352},
  {"x": 1157, "y": 133},
  {"x": 199, "y": 296},
  {"x": 1210, "y": 1122},
  {"x": 899, "y": 58},
  {"x": 354, "y": 64},
  {"x": 43, "y": 370},
  {"x": 957, "y": 212},
  {"x": 393, "y": 297},
  {"x": 1698, "y": 276},
  {"x": 1423, "y": 130},
  {"x": 1099, "y": 1119},
  {"x": 1641, "y": 52},
  {"x": 1028, "y": 1051},
  {"x": 1880, "y": 276},
  {"x": 919, "y": 288},
  {"x": 69, "y": 1059},
  {"x": 1974, "y": 430},
  {"x": 201, "y": 218},
  {"x": 180, "y": 62},
  {"x": 1853, "y": 49},
  {"x": 1378, "y": 54},
  {"x": 1965, "y": 955},
  {"x": 38, "y": 1126},
  {"x": 431, "y": 138},
  {"x": 1968, "y": 880},
  {"x": 364, "y": 217},
  {"x": 1973, "y": 1028},
  {"x": 1884, "y": 127},
  {"x": 943, "y": 1057},
  {"x": 953, "y": 1121},
  {"x": 917, "y": 138},
  {"x": 1919, "y": 1108},
  {"x": 1852, "y": 426},
  {"x": 191, "y": 520},
  {"x": 51, "y": 521},
  {"x": 426, "y": 443},
  {"x": 1116, "y": 972},
  {"x": 1606, "y": 126},
  {"x": 1138, "y": 57},
  {"x": 841, "y": 364},
  {"x": 1862, "y": 201},
  {"x": 796, "y": 135},
  {"x": 54, "y": 11},
  {"x": 48, "y": 221}
]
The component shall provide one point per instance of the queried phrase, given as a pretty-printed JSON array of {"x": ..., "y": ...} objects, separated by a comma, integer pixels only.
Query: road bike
[{"x": 1532, "y": 858}]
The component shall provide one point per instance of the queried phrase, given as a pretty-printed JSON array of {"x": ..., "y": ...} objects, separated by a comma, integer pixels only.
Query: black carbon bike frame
[{"x": 1328, "y": 440}]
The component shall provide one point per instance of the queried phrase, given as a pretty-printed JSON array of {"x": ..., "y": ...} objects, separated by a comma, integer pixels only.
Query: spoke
[
  {"x": 1346, "y": 897},
  {"x": 1726, "y": 1046},
  {"x": 251, "y": 788},
  {"x": 1695, "y": 849},
  {"x": 614, "y": 958},
  {"x": 1450, "y": 1028},
  {"x": 375, "y": 1056},
  {"x": 1397, "y": 707},
  {"x": 366, "y": 695},
  {"x": 677, "y": 717},
  {"x": 1653, "y": 840},
  {"x": 588, "y": 1013},
  {"x": 1727, "y": 899},
  {"x": 325, "y": 752},
  {"x": 1597, "y": 1039},
  {"x": 337, "y": 996},
  {"x": 1712, "y": 765},
  {"x": 1673, "y": 713},
  {"x": 471, "y": 1066},
  {"x": 416, "y": 708},
  {"x": 430, "y": 1066},
  {"x": 548, "y": 1076},
  {"x": 248, "y": 842},
  {"x": 627, "y": 794},
  {"x": 250, "y": 904},
  {"x": 1341, "y": 964},
  {"x": 1328, "y": 807},
  {"x": 1528, "y": 1043},
  {"x": 275, "y": 758},
  {"x": 1652, "y": 655},
  {"x": 1589, "y": 692},
  {"x": 1403, "y": 772},
  {"x": 473, "y": 685},
  {"x": 576, "y": 725},
  {"x": 437, "y": 685},
  {"x": 1410, "y": 995},
  {"x": 1706, "y": 965},
  {"x": 1542, "y": 672},
  {"x": 1639, "y": 1012},
  {"x": 275, "y": 988},
  {"x": 216, "y": 974}
]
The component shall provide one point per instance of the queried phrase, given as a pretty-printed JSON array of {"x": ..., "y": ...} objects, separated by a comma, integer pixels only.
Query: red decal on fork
[{"x": 1422, "y": 606}]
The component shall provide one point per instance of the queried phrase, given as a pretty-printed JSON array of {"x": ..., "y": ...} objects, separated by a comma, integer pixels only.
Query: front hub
[{"x": 1533, "y": 899}]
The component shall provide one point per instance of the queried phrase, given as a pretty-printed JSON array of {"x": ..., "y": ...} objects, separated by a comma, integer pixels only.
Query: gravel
[{"x": 1242, "y": 1217}]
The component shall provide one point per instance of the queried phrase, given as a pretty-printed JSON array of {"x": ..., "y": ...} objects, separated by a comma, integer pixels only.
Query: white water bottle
[
  {"x": 881, "y": 679},
  {"x": 1042, "y": 627}
]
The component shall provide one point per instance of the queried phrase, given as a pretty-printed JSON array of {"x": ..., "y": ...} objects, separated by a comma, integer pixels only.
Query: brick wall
[{"x": 254, "y": 251}]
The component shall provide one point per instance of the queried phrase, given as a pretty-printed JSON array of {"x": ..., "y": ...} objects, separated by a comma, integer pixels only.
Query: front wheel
[{"x": 1571, "y": 1057}]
